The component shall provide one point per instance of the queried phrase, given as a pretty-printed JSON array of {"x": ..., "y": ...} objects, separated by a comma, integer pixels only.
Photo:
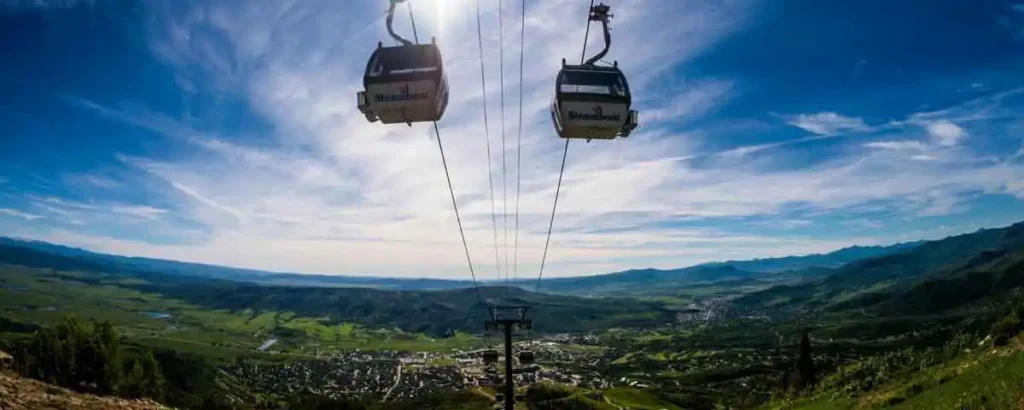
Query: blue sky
[{"x": 225, "y": 132}]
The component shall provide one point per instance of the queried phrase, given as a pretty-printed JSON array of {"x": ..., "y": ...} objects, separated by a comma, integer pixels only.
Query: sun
[{"x": 448, "y": 11}]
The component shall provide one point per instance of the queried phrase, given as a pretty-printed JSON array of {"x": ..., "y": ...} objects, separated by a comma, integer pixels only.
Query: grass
[
  {"x": 850, "y": 295},
  {"x": 624, "y": 359},
  {"x": 985, "y": 379},
  {"x": 995, "y": 383},
  {"x": 637, "y": 399},
  {"x": 43, "y": 297}
]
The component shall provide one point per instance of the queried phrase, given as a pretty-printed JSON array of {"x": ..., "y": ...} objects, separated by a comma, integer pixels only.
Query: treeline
[{"x": 89, "y": 358}]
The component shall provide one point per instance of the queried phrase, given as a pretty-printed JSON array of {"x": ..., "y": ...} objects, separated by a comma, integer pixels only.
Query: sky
[{"x": 226, "y": 132}]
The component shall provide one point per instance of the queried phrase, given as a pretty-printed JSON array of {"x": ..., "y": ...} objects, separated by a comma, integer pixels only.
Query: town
[{"x": 393, "y": 375}]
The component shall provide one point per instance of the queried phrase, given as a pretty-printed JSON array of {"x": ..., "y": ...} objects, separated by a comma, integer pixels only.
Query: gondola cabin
[
  {"x": 404, "y": 84},
  {"x": 490, "y": 356},
  {"x": 592, "y": 102},
  {"x": 526, "y": 357}
]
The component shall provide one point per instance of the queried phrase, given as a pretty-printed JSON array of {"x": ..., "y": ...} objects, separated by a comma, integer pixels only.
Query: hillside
[
  {"x": 979, "y": 377},
  {"x": 913, "y": 281},
  {"x": 432, "y": 312},
  {"x": 822, "y": 260},
  {"x": 39, "y": 280},
  {"x": 17, "y": 393}
]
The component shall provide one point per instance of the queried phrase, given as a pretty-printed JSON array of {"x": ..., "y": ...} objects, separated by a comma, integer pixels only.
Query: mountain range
[
  {"x": 603, "y": 284},
  {"x": 957, "y": 272}
]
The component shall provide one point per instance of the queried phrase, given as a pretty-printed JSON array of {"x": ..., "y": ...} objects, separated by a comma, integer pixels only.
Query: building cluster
[
  {"x": 392, "y": 375},
  {"x": 333, "y": 378},
  {"x": 420, "y": 380}
]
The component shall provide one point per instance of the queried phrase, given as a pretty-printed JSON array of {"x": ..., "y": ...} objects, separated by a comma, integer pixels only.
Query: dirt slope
[{"x": 17, "y": 393}]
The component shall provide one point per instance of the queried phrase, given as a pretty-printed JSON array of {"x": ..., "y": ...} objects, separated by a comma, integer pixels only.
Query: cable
[
  {"x": 487, "y": 136},
  {"x": 586, "y": 35},
  {"x": 504, "y": 179},
  {"x": 519, "y": 143},
  {"x": 448, "y": 177},
  {"x": 413, "y": 20},
  {"x": 551, "y": 222},
  {"x": 455, "y": 206},
  {"x": 558, "y": 188}
]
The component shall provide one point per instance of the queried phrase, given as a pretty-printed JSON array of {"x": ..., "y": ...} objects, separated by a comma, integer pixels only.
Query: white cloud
[
  {"x": 697, "y": 99},
  {"x": 945, "y": 133},
  {"x": 330, "y": 193},
  {"x": 742, "y": 151},
  {"x": 827, "y": 123},
  {"x": 82, "y": 213},
  {"x": 19, "y": 214},
  {"x": 92, "y": 180},
  {"x": 140, "y": 211},
  {"x": 897, "y": 145}
]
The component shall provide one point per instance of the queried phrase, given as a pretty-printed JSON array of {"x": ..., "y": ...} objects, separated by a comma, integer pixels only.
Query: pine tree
[
  {"x": 153, "y": 383},
  {"x": 805, "y": 364},
  {"x": 108, "y": 358},
  {"x": 132, "y": 384}
]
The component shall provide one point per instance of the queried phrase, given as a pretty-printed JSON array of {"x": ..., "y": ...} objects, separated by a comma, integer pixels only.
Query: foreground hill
[
  {"x": 980, "y": 377},
  {"x": 17, "y": 393}
]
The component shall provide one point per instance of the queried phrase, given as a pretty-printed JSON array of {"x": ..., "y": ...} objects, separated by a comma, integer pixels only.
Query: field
[
  {"x": 41, "y": 297},
  {"x": 637, "y": 399}
]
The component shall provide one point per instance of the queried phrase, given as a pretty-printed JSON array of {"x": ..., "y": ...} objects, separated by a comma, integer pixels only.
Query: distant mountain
[
  {"x": 932, "y": 276},
  {"x": 642, "y": 280},
  {"x": 668, "y": 280},
  {"x": 819, "y": 260},
  {"x": 115, "y": 262},
  {"x": 618, "y": 283}
]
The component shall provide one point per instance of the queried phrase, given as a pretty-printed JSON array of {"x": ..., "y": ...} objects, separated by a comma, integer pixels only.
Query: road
[
  {"x": 398, "y": 379},
  {"x": 610, "y": 402},
  {"x": 481, "y": 391}
]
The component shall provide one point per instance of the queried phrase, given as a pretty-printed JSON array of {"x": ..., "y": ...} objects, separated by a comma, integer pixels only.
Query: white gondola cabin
[
  {"x": 404, "y": 84},
  {"x": 592, "y": 102}
]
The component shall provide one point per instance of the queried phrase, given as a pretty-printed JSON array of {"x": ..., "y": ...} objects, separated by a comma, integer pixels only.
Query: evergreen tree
[
  {"x": 132, "y": 386},
  {"x": 805, "y": 364},
  {"x": 107, "y": 358},
  {"x": 153, "y": 383}
]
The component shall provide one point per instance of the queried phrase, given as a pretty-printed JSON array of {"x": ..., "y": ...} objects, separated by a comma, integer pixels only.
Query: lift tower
[{"x": 506, "y": 318}]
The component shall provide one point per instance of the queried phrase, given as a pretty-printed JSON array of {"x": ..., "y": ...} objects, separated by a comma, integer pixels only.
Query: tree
[
  {"x": 154, "y": 385},
  {"x": 89, "y": 358},
  {"x": 104, "y": 356},
  {"x": 805, "y": 364}
]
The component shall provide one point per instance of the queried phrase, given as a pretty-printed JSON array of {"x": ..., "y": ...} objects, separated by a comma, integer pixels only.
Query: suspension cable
[
  {"x": 504, "y": 179},
  {"x": 487, "y": 137},
  {"x": 519, "y": 143},
  {"x": 558, "y": 187},
  {"x": 451, "y": 190},
  {"x": 455, "y": 206},
  {"x": 412, "y": 19}
]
